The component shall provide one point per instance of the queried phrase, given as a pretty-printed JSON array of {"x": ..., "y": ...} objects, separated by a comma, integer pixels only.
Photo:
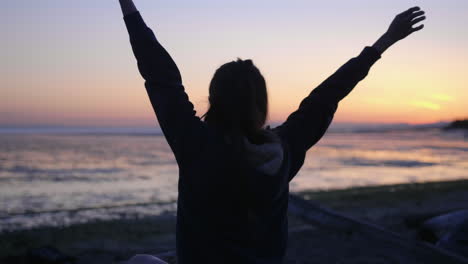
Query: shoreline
[{"x": 98, "y": 242}]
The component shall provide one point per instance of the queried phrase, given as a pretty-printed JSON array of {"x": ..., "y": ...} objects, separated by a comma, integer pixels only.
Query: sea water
[{"x": 57, "y": 179}]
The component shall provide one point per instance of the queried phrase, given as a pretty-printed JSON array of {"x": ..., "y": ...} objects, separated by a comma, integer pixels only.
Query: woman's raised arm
[
  {"x": 306, "y": 126},
  {"x": 128, "y": 7},
  {"x": 176, "y": 115}
]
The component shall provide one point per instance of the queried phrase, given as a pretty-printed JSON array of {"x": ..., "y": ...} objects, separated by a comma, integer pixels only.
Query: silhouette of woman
[{"x": 233, "y": 171}]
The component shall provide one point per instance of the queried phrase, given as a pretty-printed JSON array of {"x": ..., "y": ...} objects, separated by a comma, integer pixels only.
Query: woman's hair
[{"x": 238, "y": 100}]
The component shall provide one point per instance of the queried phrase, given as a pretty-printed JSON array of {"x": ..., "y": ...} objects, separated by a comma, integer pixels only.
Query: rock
[
  {"x": 444, "y": 224},
  {"x": 448, "y": 231},
  {"x": 457, "y": 240}
]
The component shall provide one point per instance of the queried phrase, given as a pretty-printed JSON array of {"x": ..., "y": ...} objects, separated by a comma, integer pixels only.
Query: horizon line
[{"x": 334, "y": 127}]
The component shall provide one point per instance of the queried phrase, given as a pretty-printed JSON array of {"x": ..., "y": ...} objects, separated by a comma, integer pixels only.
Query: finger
[
  {"x": 414, "y": 9},
  {"x": 411, "y": 10},
  {"x": 411, "y": 16},
  {"x": 417, "y": 20},
  {"x": 416, "y": 28}
]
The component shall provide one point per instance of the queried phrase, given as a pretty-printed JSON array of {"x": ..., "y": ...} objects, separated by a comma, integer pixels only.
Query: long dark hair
[{"x": 238, "y": 100}]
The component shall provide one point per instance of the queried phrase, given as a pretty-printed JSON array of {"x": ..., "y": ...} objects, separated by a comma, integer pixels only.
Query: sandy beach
[{"x": 387, "y": 206}]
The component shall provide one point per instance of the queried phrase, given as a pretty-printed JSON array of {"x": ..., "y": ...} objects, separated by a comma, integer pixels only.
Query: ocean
[{"x": 50, "y": 178}]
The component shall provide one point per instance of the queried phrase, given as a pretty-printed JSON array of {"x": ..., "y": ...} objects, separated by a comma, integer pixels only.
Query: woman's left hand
[{"x": 402, "y": 25}]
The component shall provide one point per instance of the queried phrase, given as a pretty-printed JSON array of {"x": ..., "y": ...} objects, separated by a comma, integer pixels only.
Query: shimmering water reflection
[{"x": 63, "y": 179}]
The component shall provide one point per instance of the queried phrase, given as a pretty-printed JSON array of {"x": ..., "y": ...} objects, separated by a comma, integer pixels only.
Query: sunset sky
[{"x": 69, "y": 63}]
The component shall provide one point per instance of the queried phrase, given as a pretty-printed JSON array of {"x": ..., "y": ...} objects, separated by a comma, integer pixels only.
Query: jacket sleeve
[
  {"x": 306, "y": 126},
  {"x": 175, "y": 113}
]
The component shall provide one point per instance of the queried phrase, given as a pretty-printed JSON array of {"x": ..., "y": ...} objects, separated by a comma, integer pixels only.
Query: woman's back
[{"x": 233, "y": 210}]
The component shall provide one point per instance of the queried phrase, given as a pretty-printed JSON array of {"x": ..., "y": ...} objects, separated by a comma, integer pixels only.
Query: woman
[{"x": 234, "y": 172}]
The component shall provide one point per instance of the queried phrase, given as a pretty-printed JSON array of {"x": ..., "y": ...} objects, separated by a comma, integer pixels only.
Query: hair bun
[{"x": 247, "y": 63}]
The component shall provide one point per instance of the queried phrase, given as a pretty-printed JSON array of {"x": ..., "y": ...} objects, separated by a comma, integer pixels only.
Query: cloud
[
  {"x": 426, "y": 105},
  {"x": 442, "y": 97}
]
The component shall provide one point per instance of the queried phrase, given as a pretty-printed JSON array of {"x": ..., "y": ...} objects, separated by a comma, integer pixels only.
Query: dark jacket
[{"x": 228, "y": 213}]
